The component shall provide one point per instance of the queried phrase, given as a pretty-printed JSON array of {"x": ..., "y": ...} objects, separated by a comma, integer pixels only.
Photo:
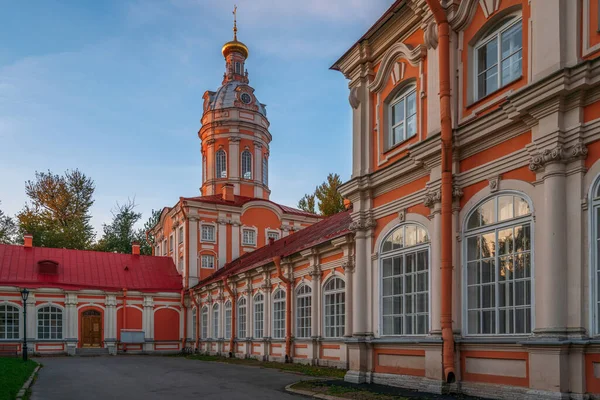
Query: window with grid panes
[
  {"x": 9, "y": 321},
  {"x": 303, "y": 311},
  {"x": 595, "y": 243},
  {"x": 50, "y": 323},
  {"x": 221, "y": 164},
  {"x": 403, "y": 117},
  {"x": 334, "y": 304},
  {"x": 227, "y": 322},
  {"x": 273, "y": 235},
  {"x": 208, "y": 233},
  {"x": 279, "y": 314},
  {"x": 241, "y": 318},
  {"x": 259, "y": 315},
  {"x": 215, "y": 326},
  {"x": 405, "y": 281},
  {"x": 246, "y": 164},
  {"x": 171, "y": 241},
  {"x": 265, "y": 171},
  {"x": 204, "y": 322},
  {"x": 194, "y": 323},
  {"x": 180, "y": 234},
  {"x": 498, "y": 266},
  {"x": 248, "y": 237},
  {"x": 207, "y": 261}
]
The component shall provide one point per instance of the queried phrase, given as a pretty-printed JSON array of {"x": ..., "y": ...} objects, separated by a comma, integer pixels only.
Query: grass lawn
[
  {"x": 343, "y": 391},
  {"x": 298, "y": 368},
  {"x": 13, "y": 374}
]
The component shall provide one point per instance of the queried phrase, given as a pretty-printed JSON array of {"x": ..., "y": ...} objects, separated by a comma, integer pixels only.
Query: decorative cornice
[
  {"x": 362, "y": 224},
  {"x": 432, "y": 197},
  {"x": 210, "y": 142},
  {"x": 353, "y": 98},
  {"x": 349, "y": 265},
  {"x": 457, "y": 192},
  {"x": 461, "y": 18},
  {"x": 431, "y": 36},
  {"x": 234, "y": 139},
  {"x": 396, "y": 51},
  {"x": 558, "y": 154}
]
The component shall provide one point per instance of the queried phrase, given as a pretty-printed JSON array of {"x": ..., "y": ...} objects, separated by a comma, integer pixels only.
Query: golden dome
[{"x": 235, "y": 46}]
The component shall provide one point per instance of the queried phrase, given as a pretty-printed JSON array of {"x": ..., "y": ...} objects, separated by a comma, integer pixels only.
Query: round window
[{"x": 246, "y": 98}]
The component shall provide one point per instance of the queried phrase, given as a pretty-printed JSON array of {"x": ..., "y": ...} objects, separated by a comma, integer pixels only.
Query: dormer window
[
  {"x": 403, "y": 117},
  {"x": 47, "y": 267},
  {"x": 498, "y": 58}
]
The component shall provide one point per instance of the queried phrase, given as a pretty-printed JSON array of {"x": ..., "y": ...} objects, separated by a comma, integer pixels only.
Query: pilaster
[
  {"x": 71, "y": 322},
  {"x": 192, "y": 244},
  {"x": 148, "y": 322},
  {"x": 110, "y": 323}
]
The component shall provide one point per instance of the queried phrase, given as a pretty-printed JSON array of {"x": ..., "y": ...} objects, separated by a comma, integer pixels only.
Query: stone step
[{"x": 91, "y": 351}]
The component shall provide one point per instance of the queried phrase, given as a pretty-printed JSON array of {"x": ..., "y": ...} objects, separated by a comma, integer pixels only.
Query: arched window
[
  {"x": 194, "y": 322},
  {"x": 498, "y": 266},
  {"x": 259, "y": 315},
  {"x": 265, "y": 171},
  {"x": 227, "y": 317},
  {"x": 50, "y": 323},
  {"x": 595, "y": 244},
  {"x": 204, "y": 323},
  {"x": 405, "y": 281},
  {"x": 246, "y": 164},
  {"x": 241, "y": 318},
  {"x": 203, "y": 168},
  {"x": 403, "y": 117},
  {"x": 215, "y": 326},
  {"x": 9, "y": 321},
  {"x": 334, "y": 304},
  {"x": 303, "y": 311},
  {"x": 498, "y": 57},
  {"x": 279, "y": 314},
  {"x": 238, "y": 68},
  {"x": 221, "y": 163}
]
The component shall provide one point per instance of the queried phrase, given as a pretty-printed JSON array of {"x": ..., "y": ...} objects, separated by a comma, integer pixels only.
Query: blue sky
[{"x": 114, "y": 88}]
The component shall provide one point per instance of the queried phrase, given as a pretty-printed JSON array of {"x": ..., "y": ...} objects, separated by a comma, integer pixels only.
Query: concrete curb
[
  {"x": 288, "y": 388},
  {"x": 27, "y": 384}
]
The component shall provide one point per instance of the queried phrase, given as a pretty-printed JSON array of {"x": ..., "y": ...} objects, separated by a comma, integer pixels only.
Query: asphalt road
[{"x": 153, "y": 378}]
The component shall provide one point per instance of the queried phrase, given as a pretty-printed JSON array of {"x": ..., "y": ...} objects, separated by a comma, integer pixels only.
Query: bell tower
[{"x": 235, "y": 133}]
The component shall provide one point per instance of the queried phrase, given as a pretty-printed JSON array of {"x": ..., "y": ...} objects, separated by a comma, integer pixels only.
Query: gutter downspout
[
  {"x": 288, "y": 309},
  {"x": 124, "y": 316},
  {"x": 196, "y": 339},
  {"x": 446, "y": 212},
  {"x": 233, "y": 316},
  {"x": 187, "y": 276}
]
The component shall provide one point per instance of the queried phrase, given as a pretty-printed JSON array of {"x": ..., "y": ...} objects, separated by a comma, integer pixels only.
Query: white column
[
  {"x": 348, "y": 271},
  {"x": 148, "y": 322},
  {"x": 235, "y": 240},
  {"x": 222, "y": 232},
  {"x": 193, "y": 250},
  {"x": 31, "y": 320},
  {"x": 257, "y": 172},
  {"x": 210, "y": 165},
  {"x": 315, "y": 286},
  {"x": 234, "y": 162},
  {"x": 435, "y": 271},
  {"x": 359, "y": 300},
  {"x": 249, "y": 312},
  {"x": 71, "y": 322},
  {"x": 110, "y": 323}
]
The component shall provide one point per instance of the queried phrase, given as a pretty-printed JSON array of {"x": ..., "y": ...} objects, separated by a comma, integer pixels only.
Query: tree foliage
[
  {"x": 58, "y": 212},
  {"x": 8, "y": 229},
  {"x": 326, "y": 195},
  {"x": 146, "y": 248}
]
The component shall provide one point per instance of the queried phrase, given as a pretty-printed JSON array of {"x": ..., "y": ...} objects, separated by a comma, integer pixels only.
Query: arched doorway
[{"x": 91, "y": 328}]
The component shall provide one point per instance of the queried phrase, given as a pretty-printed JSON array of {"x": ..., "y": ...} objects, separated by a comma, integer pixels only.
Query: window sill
[
  {"x": 516, "y": 339},
  {"x": 407, "y": 339},
  {"x": 398, "y": 145},
  {"x": 494, "y": 93}
]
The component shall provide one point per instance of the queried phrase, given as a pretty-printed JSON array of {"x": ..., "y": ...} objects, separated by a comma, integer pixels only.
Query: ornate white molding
[
  {"x": 489, "y": 7},
  {"x": 431, "y": 35},
  {"x": 353, "y": 98},
  {"x": 558, "y": 154},
  {"x": 397, "y": 50},
  {"x": 494, "y": 183},
  {"x": 432, "y": 197},
  {"x": 464, "y": 14},
  {"x": 349, "y": 265},
  {"x": 362, "y": 224}
]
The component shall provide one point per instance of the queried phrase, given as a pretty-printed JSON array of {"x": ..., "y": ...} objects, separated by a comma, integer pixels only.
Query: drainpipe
[
  {"x": 196, "y": 339},
  {"x": 288, "y": 309},
  {"x": 124, "y": 316},
  {"x": 233, "y": 316},
  {"x": 446, "y": 212}
]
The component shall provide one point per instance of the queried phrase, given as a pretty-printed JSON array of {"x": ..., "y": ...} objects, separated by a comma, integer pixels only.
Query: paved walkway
[{"x": 152, "y": 378}]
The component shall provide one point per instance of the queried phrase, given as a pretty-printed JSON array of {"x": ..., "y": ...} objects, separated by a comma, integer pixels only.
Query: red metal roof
[
  {"x": 327, "y": 229},
  {"x": 82, "y": 269},
  {"x": 241, "y": 200}
]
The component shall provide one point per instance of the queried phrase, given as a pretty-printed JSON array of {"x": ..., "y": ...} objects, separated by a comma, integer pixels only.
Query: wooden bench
[{"x": 9, "y": 350}]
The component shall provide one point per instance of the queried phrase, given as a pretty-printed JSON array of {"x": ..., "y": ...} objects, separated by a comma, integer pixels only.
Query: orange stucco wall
[
  {"x": 400, "y": 192},
  {"x": 166, "y": 324},
  {"x": 134, "y": 319},
  {"x": 498, "y": 151},
  {"x": 262, "y": 219}
]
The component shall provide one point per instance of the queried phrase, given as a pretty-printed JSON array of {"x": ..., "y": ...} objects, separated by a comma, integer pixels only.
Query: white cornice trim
[{"x": 397, "y": 50}]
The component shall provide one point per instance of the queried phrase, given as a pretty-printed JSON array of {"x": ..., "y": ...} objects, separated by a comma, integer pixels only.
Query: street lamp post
[{"x": 24, "y": 296}]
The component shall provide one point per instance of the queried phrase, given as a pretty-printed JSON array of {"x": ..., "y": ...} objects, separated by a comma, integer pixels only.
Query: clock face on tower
[{"x": 246, "y": 98}]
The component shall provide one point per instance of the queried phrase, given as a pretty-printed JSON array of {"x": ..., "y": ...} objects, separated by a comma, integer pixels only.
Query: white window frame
[
  {"x": 214, "y": 232},
  {"x": 259, "y": 315},
  {"x": 594, "y": 270},
  {"x": 171, "y": 243},
  {"x": 242, "y": 318},
  {"x": 220, "y": 164},
  {"x": 279, "y": 314},
  {"x": 269, "y": 232},
  {"x": 246, "y": 163},
  {"x": 403, "y": 95},
  {"x": 244, "y": 242},
  {"x": 194, "y": 322},
  {"x": 4, "y": 312},
  {"x": 496, "y": 34},
  {"x": 207, "y": 257},
  {"x": 337, "y": 330},
  {"x": 493, "y": 228},
  {"x": 304, "y": 311},
  {"x": 180, "y": 233},
  {"x": 165, "y": 247},
  {"x": 215, "y": 315},
  {"x": 52, "y": 310},
  {"x": 227, "y": 320},
  {"x": 204, "y": 322}
]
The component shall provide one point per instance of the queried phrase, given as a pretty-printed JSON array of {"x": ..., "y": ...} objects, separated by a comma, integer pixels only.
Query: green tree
[
  {"x": 58, "y": 212},
  {"x": 120, "y": 233},
  {"x": 329, "y": 199},
  {"x": 145, "y": 247},
  {"x": 8, "y": 229}
]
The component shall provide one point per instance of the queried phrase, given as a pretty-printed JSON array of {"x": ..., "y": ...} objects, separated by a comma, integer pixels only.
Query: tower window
[
  {"x": 246, "y": 164},
  {"x": 238, "y": 68},
  {"x": 221, "y": 160},
  {"x": 265, "y": 171}
]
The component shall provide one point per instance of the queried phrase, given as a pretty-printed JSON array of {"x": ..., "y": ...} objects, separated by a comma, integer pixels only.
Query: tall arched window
[
  {"x": 221, "y": 163},
  {"x": 595, "y": 244},
  {"x": 9, "y": 321},
  {"x": 194, "y": 322},
  {"x": 215, "y": 326},
  {"x": 403, "y": 117},
  {"x": 246, "y": 164},
  {"x": 259, "y": 315},
  {"x": 498, "y": 266},
  {"x": 204, "y": 323},
  {"x": 241, "y": 318},
  {"x": 334, "y": 307},
  {"x": 265, "y": 171},
  {"x": 303, "y": 311},
  {"x": 203, "y": 168},
  {"x": 405, "y": 281},
  {"x": 50, "y": 323},
  {"x": 227, "y": 323},
  {"x": 279, "y": 314},
  {"x": 498, "y": 57}
]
